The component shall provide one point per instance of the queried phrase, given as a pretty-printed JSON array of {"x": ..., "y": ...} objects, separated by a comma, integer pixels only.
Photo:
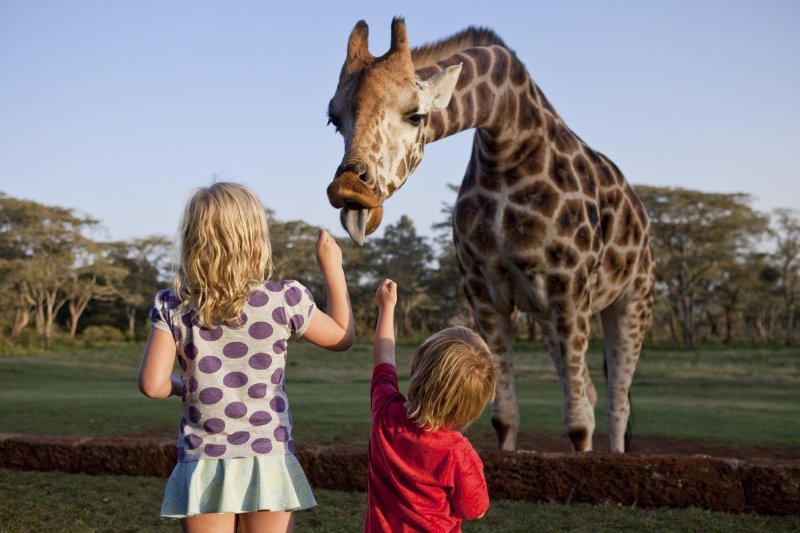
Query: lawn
[
  {"x": 38, "y": 501},
  {"x": 736, "y": 397}
]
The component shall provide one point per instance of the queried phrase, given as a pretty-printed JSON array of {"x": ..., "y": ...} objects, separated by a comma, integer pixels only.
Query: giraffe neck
[{"x": 495, "y": 95}]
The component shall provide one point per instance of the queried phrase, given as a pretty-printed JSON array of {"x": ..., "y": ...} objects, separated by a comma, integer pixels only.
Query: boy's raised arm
[{"x": 386, "y": 298}]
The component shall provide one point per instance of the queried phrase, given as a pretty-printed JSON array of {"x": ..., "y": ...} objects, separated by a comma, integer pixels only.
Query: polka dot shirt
[{"x": 234, "y": 396}]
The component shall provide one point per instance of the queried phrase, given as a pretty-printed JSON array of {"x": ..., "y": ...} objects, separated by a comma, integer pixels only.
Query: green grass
[
  {"x": 38, "y": 501},
  {"x": 738, "y": 397},
  {"x": 741, "y": 397}
]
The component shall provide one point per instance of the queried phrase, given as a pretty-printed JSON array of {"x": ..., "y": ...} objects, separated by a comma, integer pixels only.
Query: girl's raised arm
[{"x": 334, "y": 330}]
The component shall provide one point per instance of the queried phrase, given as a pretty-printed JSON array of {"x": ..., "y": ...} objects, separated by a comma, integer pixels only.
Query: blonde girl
[{"x": 228, "y": 326}]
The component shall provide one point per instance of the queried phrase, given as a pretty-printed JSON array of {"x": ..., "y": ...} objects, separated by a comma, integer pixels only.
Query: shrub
[{"x": 94, "y": 335}]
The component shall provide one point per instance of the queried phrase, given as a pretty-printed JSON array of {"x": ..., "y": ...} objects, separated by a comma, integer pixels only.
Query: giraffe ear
[
  {"x": 442, "y": 84},
  {"x": 357, "y": 48}
]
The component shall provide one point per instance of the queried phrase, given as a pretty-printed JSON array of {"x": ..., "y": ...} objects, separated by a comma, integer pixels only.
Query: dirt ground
[{"x": 485, "y": 440}]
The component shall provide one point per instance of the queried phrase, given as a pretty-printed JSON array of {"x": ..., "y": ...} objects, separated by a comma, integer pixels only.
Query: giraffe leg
[
  {"x": 495, "y": 328},
  {"x": 624, "y": 325},
  {"x": 567, "y": 339}
]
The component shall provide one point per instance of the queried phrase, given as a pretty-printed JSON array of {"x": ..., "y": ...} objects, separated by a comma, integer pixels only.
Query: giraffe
[{"x": 542, "y": 223}]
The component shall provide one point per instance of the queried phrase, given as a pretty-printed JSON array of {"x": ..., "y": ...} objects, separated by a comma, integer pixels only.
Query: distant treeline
[{"x": 726, "y": 273}]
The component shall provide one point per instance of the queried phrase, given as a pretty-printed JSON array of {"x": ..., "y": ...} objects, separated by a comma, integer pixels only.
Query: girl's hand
[
  {"x": 329, "y": 255},
  {"x": 386, "y": 295}
]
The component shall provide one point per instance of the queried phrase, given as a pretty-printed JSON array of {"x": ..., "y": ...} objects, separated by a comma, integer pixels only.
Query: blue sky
[{"x": 118, "y": 109}]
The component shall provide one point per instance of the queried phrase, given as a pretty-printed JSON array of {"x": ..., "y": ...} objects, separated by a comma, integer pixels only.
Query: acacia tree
[
  {"x": 787, "y": 259},
  {"x": 145, "y": 263},
  {"x": 95, "y": 276},
  {"x": 405, "y": 257},
  {"x": 693, "y": 234},
  {"x": 42, "y": 241}
]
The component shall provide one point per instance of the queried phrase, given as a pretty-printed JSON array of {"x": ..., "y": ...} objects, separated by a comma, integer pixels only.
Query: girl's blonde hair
[
  {"x": 224, "y": 251},
  {"x": 452, "y": 379}
]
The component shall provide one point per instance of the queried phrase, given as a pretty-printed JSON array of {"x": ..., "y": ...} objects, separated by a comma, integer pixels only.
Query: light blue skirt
[{"x": 242, "y": 485}]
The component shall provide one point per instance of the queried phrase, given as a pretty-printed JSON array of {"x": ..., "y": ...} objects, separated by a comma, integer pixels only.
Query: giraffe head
[{"x": 380, "y": 108}]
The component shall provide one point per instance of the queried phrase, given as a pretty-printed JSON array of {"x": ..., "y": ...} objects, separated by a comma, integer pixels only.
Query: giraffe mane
[{"x": 428, "y": 54}]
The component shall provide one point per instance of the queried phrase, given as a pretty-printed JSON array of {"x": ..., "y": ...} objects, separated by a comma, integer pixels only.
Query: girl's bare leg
[
  {"x": 267, "y": 522},
  {"x": 209, "y": 523}
]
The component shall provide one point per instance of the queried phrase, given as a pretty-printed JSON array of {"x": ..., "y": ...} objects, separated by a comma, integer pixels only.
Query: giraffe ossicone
[{"x": 542, "y": 223}]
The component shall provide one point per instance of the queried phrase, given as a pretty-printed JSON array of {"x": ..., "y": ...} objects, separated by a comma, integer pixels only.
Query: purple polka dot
[
  {"x": 155, "y": 315},
  {"x": 236, "y": 410},
  {"x": 183, "y": 393},
  {"x": 168, "y": 298},
  {"x": 260, "y": 418},
  {"x": 242, "y": 320},
  {"x": 189, "y": 318},
  {"x": 281, "y": 434},
  {"x": 274, "y": 286},
  {"x": 260, "y": 330},
  {"x": 278, "y": 404},
  {"x": 290, "y": 446},
  {"x": 262, "y": 445},
  {"x": 310, "y": 310},
  {"x": 176, "y": 333},
  {"x": 240, "y": 437},
  {"x": 209, "y": 364},
  {"x": 234, "y": 350},
  {"x": 193, "y": 441},
  {"x": 184, "y": 422},
  {"x": 308, "y": 293},
  {"x": 194, "y": 414},
  {"x": 210, "y": 395},
  {"x": 215, "y": 450},
  {"x": 293, "y": 296},
  {"x": 259, "y": 390},
  {"x": 279, "y": 347},
  {"x": 211, "y": 334},
  {"x": 297, "y": 322},
  {"x": 260, "y": 361},
  {"x": 235, "y": 379},
  {"x": 258, "y": 299},
  {"x": 277, "y": 376},
  {"x": 214, "y": 425},
  {"x": 190, "y": 350},
  {"x": 279, "y": 316},
  {"x": 192, "y": 384},
  {"x": 182, "y": 362}
]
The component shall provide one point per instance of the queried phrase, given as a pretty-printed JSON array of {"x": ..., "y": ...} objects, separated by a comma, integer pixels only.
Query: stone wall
[{"x": 647, "y": 481}]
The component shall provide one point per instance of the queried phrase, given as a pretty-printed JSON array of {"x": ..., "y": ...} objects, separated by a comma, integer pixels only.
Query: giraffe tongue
[{"x": 355, "y": 222}]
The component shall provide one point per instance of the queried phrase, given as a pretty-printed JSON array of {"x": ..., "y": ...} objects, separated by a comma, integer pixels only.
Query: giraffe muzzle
[
  {"x": 349, "y": 190},
  {"x": 361, "y": 207}
]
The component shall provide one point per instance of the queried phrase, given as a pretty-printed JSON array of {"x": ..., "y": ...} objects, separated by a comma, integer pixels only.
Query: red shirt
[{"x": 418, "y": 480}]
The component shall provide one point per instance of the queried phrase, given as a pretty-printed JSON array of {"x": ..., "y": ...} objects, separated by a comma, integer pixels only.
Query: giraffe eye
[
  {"x": 417, "y": 118},
  {"x": 335, "y": 122}
]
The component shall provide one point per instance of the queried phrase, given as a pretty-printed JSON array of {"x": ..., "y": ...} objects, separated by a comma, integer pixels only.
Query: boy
[{"x": 423, "y": 473}]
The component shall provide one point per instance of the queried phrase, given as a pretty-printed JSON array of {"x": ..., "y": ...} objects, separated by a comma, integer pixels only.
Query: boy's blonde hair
[
  {"x": 224, "y": 251},
  {"x": 452, "y": 379}
]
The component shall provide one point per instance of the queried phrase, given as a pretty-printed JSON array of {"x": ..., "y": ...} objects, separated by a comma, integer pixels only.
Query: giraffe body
[{"x": 542, "y": 223}]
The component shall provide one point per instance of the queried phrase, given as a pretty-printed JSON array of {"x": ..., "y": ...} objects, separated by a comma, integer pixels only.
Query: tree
[
  {"x": 694, "y": 233},
  {"x": 94, "y": 277},
  {"x": 41, "y": 242},
  {"x": 145, "y": 263},
  {"x": 787, "y": 259},
  {"x": 406, "y": 258}
]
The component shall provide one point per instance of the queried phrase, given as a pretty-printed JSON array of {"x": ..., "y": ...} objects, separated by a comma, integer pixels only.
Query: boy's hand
[
  {"x": 386, "y": 295},
  {"x": 329, "y": 255}
]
